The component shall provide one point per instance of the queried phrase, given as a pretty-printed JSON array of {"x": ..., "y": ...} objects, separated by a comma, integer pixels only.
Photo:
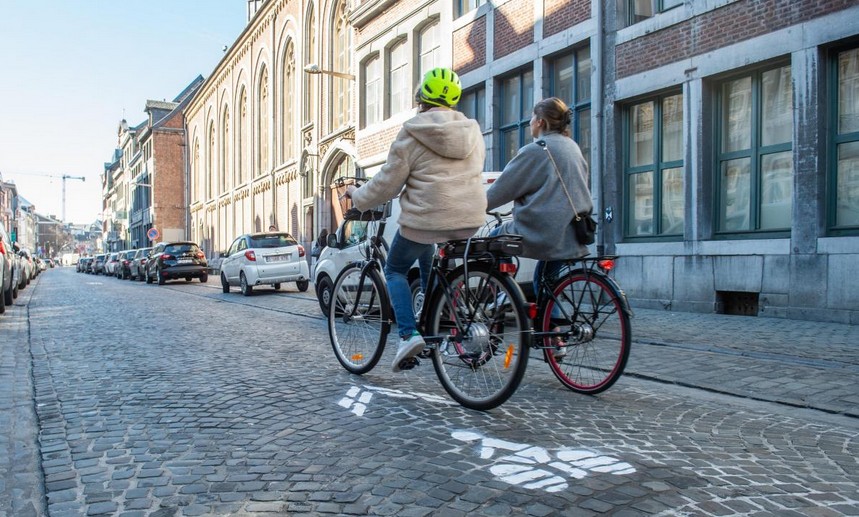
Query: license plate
[
  {"x": 185, "y": 261},
  {"x": 277, "y": 258}
]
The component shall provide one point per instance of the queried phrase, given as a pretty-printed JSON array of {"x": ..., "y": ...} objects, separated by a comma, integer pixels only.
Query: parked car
[
  {"x": 40, "y": 265},
  {"x": 173, "y": 260},
  {"x": 123, "y": 267},
  {"x": 6, "y": 269},
  {"x": 84, "y": 263},
  {"x": 98, "y": 264},
  {"x": 29, "y": 266},
  {"x": 270, "y": 258},
  {"x": 110, "y": 264},
  {"x": 137, "y": 268}
]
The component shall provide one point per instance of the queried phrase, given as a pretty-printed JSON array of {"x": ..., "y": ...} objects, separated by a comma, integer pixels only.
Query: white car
[
  {"x": 349, "y": 244},
  {"x": 270, "y": 258}
]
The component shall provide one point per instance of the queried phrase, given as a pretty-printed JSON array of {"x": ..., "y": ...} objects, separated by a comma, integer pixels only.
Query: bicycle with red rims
[
  {"x": 582, "y": 322},
  {"x": 478, "y": 346}
]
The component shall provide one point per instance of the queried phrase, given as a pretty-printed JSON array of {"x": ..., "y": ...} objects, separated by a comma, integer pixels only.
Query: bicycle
[
  {"x": 587, "y": 341},
  {"x": 478, "y": 347}
]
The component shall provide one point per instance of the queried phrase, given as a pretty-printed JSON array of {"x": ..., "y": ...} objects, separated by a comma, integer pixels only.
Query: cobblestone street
[{"x": 121, "y": 398}]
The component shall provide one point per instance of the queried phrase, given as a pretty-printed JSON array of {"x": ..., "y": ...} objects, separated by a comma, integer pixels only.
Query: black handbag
[{"x": 584, "y": 225}]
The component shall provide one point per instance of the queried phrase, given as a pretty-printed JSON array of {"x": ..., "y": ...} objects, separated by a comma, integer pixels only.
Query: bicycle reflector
[
  {"x": 508, "y": 356},
  {"x": 606, "y": 264},
  {"x": 507, "y": 267},
  {"x": 532, "y": 311}
]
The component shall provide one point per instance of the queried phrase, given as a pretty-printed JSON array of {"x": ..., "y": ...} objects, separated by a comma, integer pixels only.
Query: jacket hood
[{"x": 447, "y": 133}]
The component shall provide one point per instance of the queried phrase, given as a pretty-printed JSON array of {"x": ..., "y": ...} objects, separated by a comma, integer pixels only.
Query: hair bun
[{"x": 568, "y": 116}]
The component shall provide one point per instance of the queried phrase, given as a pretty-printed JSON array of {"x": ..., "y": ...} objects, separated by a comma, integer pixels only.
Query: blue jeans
[{"x": 401, "y": 255}]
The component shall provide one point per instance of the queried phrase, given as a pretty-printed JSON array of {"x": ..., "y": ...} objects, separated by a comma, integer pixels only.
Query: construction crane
[{"x": 64, "y": 178}]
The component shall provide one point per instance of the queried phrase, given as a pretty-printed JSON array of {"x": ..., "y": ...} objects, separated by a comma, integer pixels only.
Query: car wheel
[
  {"x": 160, "y": 276},
  {"x": 247, "y": 289},
  {"x": 225, "y": 286},
  {"x": 324, "y": 290},
  {"x": 204, "y": 278},
  {"x": 148, "y": 278},
  {"x": 187, "y": 278},
  {"x": 7, "y": 295},
  {"x": 276, "y": 286},
  {"x": 15, "y": 291},
  {"x": 302, "y": 285}
]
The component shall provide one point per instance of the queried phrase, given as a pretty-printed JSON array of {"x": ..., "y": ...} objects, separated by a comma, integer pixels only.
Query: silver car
[{"x": 270, "y": 258}]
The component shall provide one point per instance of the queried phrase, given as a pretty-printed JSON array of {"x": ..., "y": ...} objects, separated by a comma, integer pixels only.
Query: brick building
[
  {"x": 144, "y": 183},
  {"x": 722, "y": 135}
]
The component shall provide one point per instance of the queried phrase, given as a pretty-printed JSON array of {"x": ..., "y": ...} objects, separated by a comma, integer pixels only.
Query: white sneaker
[{"x": 408, "y": 348}]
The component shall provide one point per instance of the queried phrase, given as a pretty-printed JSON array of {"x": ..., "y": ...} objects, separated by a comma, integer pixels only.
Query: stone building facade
[
  {"x": 265, "y": 137},
  {"x": 722, "y": 135}
]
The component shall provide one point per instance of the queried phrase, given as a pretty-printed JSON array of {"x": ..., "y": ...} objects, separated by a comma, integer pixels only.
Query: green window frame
[
  {"x": 654, "y": 172},
  {"x": 516, "y": 96},
  {"x": 754, "y": 158},
  {"x": 571, "y": 82},
  {"x": 472, "y": 104},
  {"x": 843, "y": 200},
  {"x": 640, "y": 10}
]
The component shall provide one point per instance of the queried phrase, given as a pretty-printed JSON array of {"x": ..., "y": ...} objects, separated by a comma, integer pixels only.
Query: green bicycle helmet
[{"x": 440, "y": 87}]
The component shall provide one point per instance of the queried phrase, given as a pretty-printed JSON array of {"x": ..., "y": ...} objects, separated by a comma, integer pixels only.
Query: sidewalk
[{"x": 798, "y": 363}]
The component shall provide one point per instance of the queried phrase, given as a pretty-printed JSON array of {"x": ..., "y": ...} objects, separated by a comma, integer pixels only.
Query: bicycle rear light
[
  {"x": 606, "y": 264},
  {"x": 507, "y": 267}
]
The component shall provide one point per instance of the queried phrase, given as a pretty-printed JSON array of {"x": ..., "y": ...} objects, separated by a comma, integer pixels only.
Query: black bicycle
[
  {"x": 474, "y": 317},
  {"x": 582, "y": 322}
]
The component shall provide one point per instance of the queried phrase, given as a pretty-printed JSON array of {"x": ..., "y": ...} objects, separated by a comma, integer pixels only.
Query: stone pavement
[
  {"x": 798, "y": 363},
  {"x": 228, "y": 417}
]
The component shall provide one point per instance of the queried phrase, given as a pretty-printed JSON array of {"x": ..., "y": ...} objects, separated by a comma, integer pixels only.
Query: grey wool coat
[{"x": 541, "y": 211}]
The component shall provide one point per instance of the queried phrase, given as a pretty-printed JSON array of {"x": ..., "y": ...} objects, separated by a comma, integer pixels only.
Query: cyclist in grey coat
[{"x": 542, "y": 214}]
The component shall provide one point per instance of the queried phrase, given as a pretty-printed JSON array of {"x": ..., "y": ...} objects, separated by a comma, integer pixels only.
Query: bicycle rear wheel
[
  {"x": 487, "y": 334},
  {"x": 599, "y": 332},
  {"x": 359, "y": 319}
]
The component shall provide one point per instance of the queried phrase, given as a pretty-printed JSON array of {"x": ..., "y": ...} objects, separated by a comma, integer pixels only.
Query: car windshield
[
  {"x": 129, "y": 255},
  {"x": 272, "y": 240},
  {"x": 181, "y": 248}
]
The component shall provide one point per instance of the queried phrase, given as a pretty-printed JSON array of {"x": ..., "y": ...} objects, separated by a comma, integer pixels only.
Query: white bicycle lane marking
[{"x": 529, "y": 466}]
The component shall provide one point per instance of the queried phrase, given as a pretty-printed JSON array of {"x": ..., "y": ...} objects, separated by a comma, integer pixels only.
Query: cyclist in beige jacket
[{"x": 435, "y": 165}]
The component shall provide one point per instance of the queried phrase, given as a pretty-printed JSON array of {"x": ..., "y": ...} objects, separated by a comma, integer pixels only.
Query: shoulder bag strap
[{"x": 561, "y": 180}]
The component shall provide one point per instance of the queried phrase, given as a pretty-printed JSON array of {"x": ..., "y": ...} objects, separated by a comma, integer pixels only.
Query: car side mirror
[
  {"x": 223, "y": 254},
  {"x": 332, "y": 240}
]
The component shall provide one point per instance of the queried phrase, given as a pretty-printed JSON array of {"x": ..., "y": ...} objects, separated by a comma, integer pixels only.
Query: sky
[{"x": 71, "y": 70}]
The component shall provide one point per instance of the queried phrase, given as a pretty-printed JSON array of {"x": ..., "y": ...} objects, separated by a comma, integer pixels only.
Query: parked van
[{"x": 348, "y": 243}]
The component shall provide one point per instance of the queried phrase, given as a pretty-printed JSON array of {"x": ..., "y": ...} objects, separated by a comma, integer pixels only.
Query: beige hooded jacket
[{"x": 438, "y": 157}]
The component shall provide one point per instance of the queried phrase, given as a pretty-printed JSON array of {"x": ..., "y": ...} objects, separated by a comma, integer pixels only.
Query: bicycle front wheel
[
  {"x": 486, "y": 336},
  {"x": 359, "y": 318},
  {"x": 590, "y": 309}
]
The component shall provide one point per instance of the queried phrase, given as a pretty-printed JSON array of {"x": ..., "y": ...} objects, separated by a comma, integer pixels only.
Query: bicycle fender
[{"x": 624, "y": 303}]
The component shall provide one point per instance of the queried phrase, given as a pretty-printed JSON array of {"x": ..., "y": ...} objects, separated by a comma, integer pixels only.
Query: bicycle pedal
[
  {"x": 409, "y": 363},
  {"x": 425, "y": 353}
]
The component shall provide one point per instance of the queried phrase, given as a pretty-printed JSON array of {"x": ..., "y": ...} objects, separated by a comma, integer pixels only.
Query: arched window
[
  {"x": 242, "y": 149},
  {"x": 430, "y": 49},
  {"x": 398, "y": 79},
  {"x": 195, "y": 169},
  {"x": 340, "y": 91},
  {"x": 263, "y": 120},
  {"x": 210, "y": 161},
  {"x": 373, "y": 90},
  {"x": 288, "y": 103},
  {"x": 226, "y": 146},
  {"x": 309, "y": 53}
]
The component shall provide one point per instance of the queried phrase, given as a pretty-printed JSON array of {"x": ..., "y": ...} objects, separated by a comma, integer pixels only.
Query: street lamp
[{"x": 314, "y": 69}]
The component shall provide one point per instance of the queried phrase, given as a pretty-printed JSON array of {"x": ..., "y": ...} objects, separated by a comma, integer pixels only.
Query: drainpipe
[{"x": 598, "y": 136}]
